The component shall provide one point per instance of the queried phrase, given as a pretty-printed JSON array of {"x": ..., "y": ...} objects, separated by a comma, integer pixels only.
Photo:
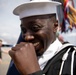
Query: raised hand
[{"x": 24, "y": 58}]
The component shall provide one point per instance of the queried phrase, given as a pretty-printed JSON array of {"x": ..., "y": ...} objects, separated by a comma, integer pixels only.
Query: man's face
[{"x": 39, "y": 31}]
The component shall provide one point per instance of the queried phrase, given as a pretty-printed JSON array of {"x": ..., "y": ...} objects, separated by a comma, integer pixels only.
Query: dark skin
[{"x": 38, "y": 32}]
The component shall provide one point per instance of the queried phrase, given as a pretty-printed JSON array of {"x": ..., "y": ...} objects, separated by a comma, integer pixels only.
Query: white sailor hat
[{"x": 36, "y": 7}]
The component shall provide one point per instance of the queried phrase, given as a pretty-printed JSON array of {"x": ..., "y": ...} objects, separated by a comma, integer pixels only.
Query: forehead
[{"x": 39, "y": 17}]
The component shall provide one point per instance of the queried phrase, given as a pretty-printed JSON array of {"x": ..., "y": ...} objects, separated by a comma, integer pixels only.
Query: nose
[{"x": 28, "y": 36}]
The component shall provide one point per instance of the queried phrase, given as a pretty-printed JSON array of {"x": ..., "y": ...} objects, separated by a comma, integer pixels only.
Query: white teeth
[{"x": 35, "y": 44}]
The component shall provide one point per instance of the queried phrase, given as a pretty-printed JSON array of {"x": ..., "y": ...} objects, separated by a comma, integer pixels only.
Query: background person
[{"x": 0, "y": 51}]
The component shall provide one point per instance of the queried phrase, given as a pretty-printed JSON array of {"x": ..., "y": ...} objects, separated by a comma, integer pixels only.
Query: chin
[{"x": 39, "y": 53}]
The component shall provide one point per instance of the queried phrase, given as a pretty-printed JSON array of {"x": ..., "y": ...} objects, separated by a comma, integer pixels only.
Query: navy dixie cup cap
[{"x": 36, "y": 7}]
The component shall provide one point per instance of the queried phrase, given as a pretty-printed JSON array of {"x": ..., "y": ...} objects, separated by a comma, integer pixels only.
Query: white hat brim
[{"x": 36, "y": 8}]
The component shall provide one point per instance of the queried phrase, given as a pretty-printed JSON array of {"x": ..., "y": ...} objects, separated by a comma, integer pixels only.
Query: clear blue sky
[{"x": 10, "y": 24}]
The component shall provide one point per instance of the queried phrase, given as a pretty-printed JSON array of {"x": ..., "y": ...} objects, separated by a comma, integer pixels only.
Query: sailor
[{"x": 40, "y": 52}]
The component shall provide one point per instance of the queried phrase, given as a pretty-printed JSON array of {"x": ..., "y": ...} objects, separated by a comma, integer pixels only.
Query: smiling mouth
[{"x": 36, "y": 44}]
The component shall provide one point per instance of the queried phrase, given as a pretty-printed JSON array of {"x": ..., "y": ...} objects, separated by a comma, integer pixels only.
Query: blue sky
[{"x": 10, "y": 24}]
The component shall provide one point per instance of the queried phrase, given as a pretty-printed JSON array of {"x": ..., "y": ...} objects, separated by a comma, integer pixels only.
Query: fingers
[
  {"x": 20, "y": 49},
  {"x": 18, "y": 46},
  {"x": 11, "y": 53}
]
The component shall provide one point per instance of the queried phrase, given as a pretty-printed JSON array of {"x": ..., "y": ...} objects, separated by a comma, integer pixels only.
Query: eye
[{"x": 35, "y": 27}]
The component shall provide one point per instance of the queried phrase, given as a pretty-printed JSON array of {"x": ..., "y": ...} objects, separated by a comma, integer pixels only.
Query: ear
[{"x": 56, "y": 26}]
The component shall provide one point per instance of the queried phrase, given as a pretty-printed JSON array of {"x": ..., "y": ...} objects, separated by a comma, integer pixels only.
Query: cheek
[{"x": 46, "y": 37}]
